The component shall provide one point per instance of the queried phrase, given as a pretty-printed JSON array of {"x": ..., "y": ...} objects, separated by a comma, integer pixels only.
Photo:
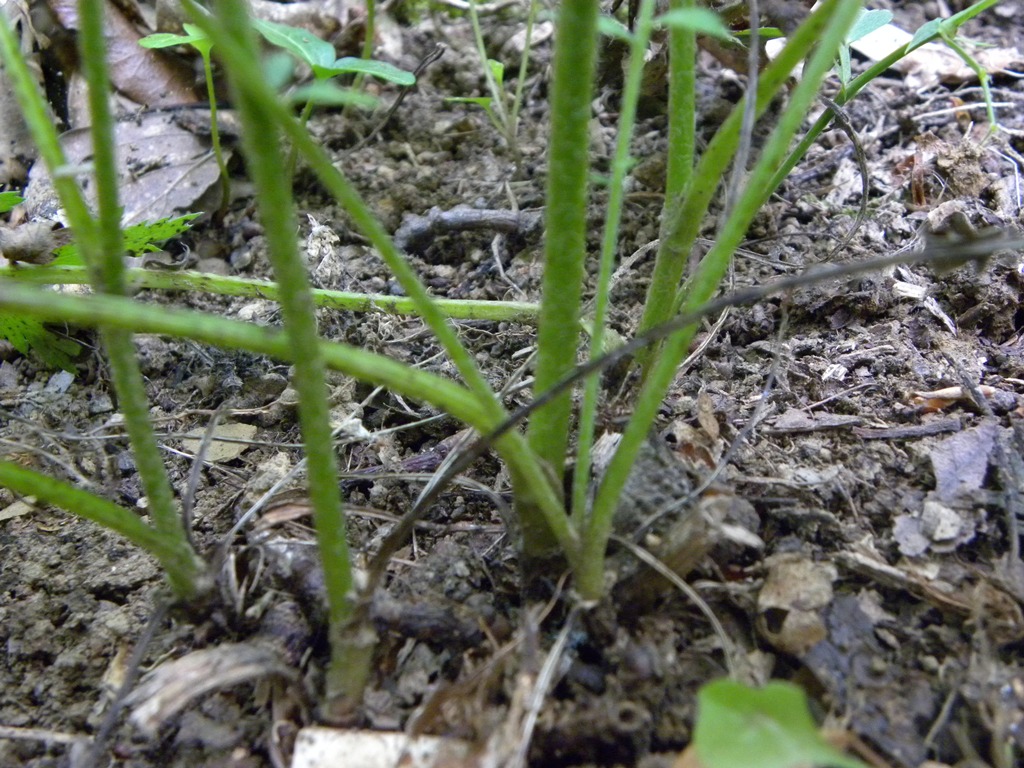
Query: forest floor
[{"x": 867, "y": 549}]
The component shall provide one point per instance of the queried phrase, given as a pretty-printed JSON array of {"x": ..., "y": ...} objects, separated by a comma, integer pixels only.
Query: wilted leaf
[
  {"x": 163, "y": 168},
  {"x": 145, "y": 77}
]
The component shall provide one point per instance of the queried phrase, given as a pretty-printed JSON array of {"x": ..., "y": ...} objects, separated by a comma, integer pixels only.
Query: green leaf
[
  {"x": 769, "y": 727},
  {"x": 27, "y": 335},
  {"x": 379, "y": 69},
  {"x": 845, "y": 70},
  {"x": 8, "y": 200},
  {"x": 609, "y": 26},
  {"x": 700, "y": 20},
  {"x": 925, "y": 32},
  {"x": 194, "y": 36},
  {"x": 325, "y": 93},
  {"x": 866, "y": 23},
  {"x": 497, "y": 71},
  {"x": 140, "y": 238},
  {"x": 164, "y": 40},
  {"x": 480, "y": 101},
  {"x": 304, "y": 45},
  {"x": 278, "y": 69}
]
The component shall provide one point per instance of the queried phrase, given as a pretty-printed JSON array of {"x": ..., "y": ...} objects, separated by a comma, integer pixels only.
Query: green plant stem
[
  {"x": 181, "y": 566},
  {"x": 223, "y": 285},
  {"x": 362, "y": 217},
  {"x": 499, "y": 114},
  {"x": 566, "y": 223},
  {"x": 858, "y": 84},
  {"x": 979, "y": 72},
  {"x": 446, "y": 395},
  {"x": 218, "y": 153},
  {"x": 609, "y": 248},
  {"x": 543, "y": 514},
  {"x": 524, "y": 60},
  {"x": 88, "y": 311},
  {"x": 369, "y": 35},
  {"x": 685, "y": 217},
  {"x": 44, "y": 133},
  {"x": 347, "y": 671},
  {"x": 101, "y": 245},
  {"x": 826, "y": 28},
  {"x": 682, "y": 110}
]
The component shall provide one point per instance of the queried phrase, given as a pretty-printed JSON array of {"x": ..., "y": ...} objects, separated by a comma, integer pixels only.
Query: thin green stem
[
  {"x": 566, "y": 223},
  {"x": 524, "y": 60},
  {"x": 416, "y": 384},
  {"x": 180, "y": 564},
  {"x": 362, "y": 217},
  {"x": 684, "y": 219},
  {"x": 90, "y": 310},
  {"x": 228, "y": 285},
  {"x": 267, "y": 168},
  {"x": 545, "y": 512},
  {"x": 858, "y": 84},
  {"x": 33, "y": 108},
  {"x": 218, "y": 152},
  {"x": 609, "y": 248},
  {"x": 682, "y": 110},
  {"x": 829, "y": 25},
  {"x": 499, "y": 116},
  {"x": 102, "y": 250}
]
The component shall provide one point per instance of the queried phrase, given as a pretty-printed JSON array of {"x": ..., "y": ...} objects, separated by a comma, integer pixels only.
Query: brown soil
[{"x": 869, "y": 552}]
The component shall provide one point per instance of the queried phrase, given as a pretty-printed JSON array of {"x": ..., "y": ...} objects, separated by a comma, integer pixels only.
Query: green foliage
[
  {"x": 486, "y": 103},
  {"x": 320, "y": 57},
  {"x": 195, "y": 37},
  {"x": 866, "y": 23},
  {"x": 699, "y": 20},
  {"x": 145, "y": 237},
  {"x": 770, "y": 727},
  {"x": 8, "y": 200},
  {"x": 30, "y": 335},
  {"x": 774, "y": 718}
]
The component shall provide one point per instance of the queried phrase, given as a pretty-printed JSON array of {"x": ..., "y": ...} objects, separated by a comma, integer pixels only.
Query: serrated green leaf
[
  {"x": 770, "y": 727},
  {"x": 139, "y": 238},
  {"x": 30, "y": 336},
  {"x": 302, "y": 44}
]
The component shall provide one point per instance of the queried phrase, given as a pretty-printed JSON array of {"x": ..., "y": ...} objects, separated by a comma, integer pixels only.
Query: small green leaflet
[
  {"x": 27, "y": 334},
  {"x": 140, "y": 238},
  {"x": 320, "y": 56},
  {"x": 769, "y": 727},
  {"x": 8, "y": 200}
]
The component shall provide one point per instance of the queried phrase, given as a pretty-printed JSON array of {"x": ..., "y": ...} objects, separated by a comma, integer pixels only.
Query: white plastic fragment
[{"x": 320, "y": 747}]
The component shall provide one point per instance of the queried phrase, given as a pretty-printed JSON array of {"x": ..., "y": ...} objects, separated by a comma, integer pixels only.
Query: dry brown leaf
[
  {"x": 147, "y": 77},
  {"x": 164, "y": 170}
]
